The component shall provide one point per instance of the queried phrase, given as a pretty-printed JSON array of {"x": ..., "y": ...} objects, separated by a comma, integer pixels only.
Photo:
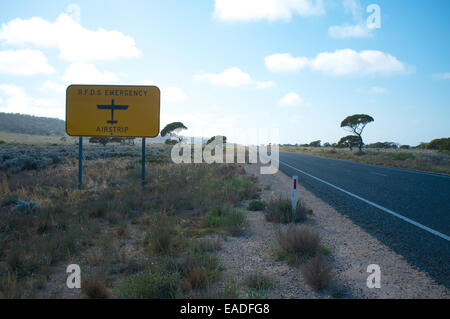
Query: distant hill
[{"x": 33, "y": 125}]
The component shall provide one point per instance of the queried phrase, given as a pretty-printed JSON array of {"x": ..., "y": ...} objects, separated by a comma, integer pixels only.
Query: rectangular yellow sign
[{"x": 112, "y": 110}]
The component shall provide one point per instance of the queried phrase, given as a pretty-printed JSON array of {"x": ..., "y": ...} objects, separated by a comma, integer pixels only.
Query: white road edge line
[
  {"x": 406, "y": 219},
  {"x": 375, "y": 173}
]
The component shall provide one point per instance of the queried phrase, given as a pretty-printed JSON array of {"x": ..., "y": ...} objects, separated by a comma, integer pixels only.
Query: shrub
[
  {"x": 402, "y": 156},
  {"x": 25, "y": 207},
  {"x": 200, "y": 270},
  {"x": 161, "y": 238},
  {"x": 205, "y": 245},
  {"x": 230, "y": 219},
  {"x": 9, "y": 288},
  {"x": 439, "y": 144},
  {"x": 231, "y": 290},
  {"x": 258, "y": 281},
  {"x": 280, "y": 211},
  {"x": 317, "y": 273},
  {"x": 150, "y": 285},
  {"x": 11, "y": 199},
  {"x": 298, "y": 242},
  {"x": 243, "y": 187},
  {"x": 256, "y": 205},
  {"x": 94, "y": 288}
]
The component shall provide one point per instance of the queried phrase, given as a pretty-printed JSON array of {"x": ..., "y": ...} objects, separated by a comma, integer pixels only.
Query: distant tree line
[
  {"x": 32, "y": 125},
  {"x": 352, "y": 141}
]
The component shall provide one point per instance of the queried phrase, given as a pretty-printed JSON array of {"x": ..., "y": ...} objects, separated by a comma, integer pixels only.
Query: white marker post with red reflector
[{"x": 294, "y": 196}]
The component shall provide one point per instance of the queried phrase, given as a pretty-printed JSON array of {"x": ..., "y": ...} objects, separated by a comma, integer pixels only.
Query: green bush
[
  {"x": 256, "y": 205},
  {"x": 280, "y": 211},
  {"x": 402, "y": 156},
  {"x": 229, "y": 219},
  {"x": 151, "y": 285},
  {"x": 442, "y": 144},
  {"x": 297, "y": 243}
]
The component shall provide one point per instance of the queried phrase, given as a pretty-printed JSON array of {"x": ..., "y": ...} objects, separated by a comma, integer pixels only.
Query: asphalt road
[{"x": 407, "y": 210}]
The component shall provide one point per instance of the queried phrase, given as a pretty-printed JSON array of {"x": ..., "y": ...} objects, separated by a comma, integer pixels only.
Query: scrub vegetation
[
  {"x": 158, "y": 241},
  {"x": 429, "y": 160}
]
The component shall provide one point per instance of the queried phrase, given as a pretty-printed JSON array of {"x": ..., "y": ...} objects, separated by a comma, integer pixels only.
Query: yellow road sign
[{"x": 112, "y": 110}]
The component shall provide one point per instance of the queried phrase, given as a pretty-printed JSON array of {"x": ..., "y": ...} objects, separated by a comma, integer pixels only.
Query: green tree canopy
[
  {"x": 442, "y": 144},
  {"x": 349, "y": 141},
  {"x": 173, "y": 129},
  {"x": 356, "y": 124},
  {"x": 212, "y": 139}
]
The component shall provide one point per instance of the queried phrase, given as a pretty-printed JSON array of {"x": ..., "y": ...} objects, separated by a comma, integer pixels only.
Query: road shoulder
[{"x": 353, "y": 249}]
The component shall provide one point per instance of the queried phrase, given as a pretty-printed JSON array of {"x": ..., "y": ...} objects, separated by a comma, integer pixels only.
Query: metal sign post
[
  {"x": 294, "y": 196},
  {"x": 80, "y": 162},
  {"x": 143, "y": 162}
]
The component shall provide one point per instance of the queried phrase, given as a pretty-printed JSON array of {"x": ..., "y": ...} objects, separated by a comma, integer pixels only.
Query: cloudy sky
[{"x": 298, "y": 65}]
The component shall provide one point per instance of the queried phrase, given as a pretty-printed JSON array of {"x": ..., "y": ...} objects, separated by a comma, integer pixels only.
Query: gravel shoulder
[{"x": 352, "y": 251}]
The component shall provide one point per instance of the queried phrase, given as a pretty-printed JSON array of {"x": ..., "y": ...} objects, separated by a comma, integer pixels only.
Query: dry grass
[
  {"x": 103, "y": 226},
  {"x": 280, "y": 211},
  {"x": 94, "y": 288},
  {"x": 297, "y": 243},
  {"x": 424, "y": 160},
  {"x": 317, "y": 273}
]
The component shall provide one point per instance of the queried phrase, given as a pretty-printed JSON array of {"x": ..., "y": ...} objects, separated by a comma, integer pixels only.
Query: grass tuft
[
  {"x": 280, "y": 211},
  {"x": 94, "y": 288},
  {"x": 256, "y": 205},
  {"x": 317, "y": 273},
  {"x": 297, "y": 243}
]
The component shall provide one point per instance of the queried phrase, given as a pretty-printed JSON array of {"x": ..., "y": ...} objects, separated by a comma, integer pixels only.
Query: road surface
[{"x": 407, "y": 210}]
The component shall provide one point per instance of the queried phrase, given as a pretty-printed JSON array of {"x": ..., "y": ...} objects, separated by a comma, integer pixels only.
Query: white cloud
[
  {"x": 357, "y": 30},
  {"x": 443, "y": 76},
  {"x": 81, "y": 73},
  {"x": 17, "y": 101},
  {"x": 52, "y": 87},
  {"x": 146, "y": 82},
  {"x": 378, "y": 90},
  {"x": 350, "y": 31},
  {"x": 293, "y": 99},
  {"x": 173, "y": 94},
  {"x": 265, "y": 84},
  {"x": 233, "y": 77},
  {"x": 252, "y": 10},
  {"x": 285, "y": 62},
  {"x": 74, "y": 42},
  {"x": 346, "y": 62},
  {"x": 24, "y": 62},
  {"x": 355, "y": 8}
]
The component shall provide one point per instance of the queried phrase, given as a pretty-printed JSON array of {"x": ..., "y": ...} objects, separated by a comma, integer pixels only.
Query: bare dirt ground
[{"x": 352, "y": 251}]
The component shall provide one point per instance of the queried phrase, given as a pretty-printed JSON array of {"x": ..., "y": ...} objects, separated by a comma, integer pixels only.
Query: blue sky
[{"x": 298, "y": 65}]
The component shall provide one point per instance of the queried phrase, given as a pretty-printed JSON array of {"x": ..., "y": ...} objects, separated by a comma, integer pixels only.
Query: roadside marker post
[{"x": 294, "y": 196}]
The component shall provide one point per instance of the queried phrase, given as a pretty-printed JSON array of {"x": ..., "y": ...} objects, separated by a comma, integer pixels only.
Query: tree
[
  {"x": 173, "y": 129},
  {"x": 356, "y": 124},
  {"x": 439, "y": 144},
  {"x": 212, "y": 139},
  {"x": 350, "y": 141},
  {"x": 315, "y": 143}
]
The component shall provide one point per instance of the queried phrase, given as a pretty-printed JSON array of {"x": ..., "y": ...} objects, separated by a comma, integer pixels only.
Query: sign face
[{"x": 112, "y": 110}]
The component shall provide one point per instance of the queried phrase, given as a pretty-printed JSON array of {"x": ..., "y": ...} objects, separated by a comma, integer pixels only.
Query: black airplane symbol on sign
[{"x": 112, "y": 107}]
